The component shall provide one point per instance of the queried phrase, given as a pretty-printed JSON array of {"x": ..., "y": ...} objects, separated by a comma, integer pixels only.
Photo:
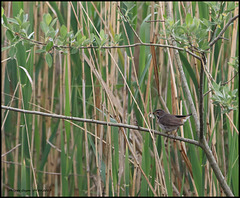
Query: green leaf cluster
[
  {"x": 47, "y": 27},
  {"x": 102, "y": 40},
  {"x": 54, "y": 37},
  {"x": 129, "y": 14},
  {"x": 224, "y": 96},
  {"x": 235, "y": 63},
  {"x": 15, "y": 26},
  {"x": 19, "y": 24},
  {"x": 218, "y": 13},
  {"x": 193, "y": 32}
]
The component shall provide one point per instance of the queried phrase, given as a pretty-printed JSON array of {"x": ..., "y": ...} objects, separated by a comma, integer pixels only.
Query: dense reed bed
[{"x": 117, "y": 62}]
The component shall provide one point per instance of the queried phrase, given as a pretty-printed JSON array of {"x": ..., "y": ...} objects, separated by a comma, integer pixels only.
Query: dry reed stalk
[
  {"x": 163, "y": 69},
  {"x": 34, "y": 76},
  {"x": 111, "y": 82},
  {"x": 61, "y": 102},
  {"x": 3, "y": 65},
  {"x": 224, "y": 167},
  {"x": 51, "y": 165},
  {"x": 122, "y": 144},
  {"x": 134, "y": 182},
  {"x": 210, "y": 63},
  {"x": 108, "y": 154},
  {"x": 69, "y": 70},
  {"x": 44, "y": 95},
  {"x": 85, "y": 126},
  {"x": 72, "y": 135},
  {"x": 233, "y": 54}
]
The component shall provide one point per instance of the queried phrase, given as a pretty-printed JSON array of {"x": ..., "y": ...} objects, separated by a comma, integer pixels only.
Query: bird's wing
[{"x": 171, "y": 120}]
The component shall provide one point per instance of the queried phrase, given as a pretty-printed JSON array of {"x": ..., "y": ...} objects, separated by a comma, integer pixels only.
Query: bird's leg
[
  {"x": 166, "y": 140},
  {"x": 175, "y": 134}
]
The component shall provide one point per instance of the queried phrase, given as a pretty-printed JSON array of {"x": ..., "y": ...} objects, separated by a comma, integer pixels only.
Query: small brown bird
[{"x": 169, "y": 122}]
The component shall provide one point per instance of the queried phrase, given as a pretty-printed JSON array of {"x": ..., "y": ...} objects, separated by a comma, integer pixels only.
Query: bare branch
[
  {"x": 102, "y": 123},
  {"x": 154, "y": 21},
  {"x": 222, "y": 31},
  {"x": 10, "y": 150},
  {"x": 224, "y": 83}
]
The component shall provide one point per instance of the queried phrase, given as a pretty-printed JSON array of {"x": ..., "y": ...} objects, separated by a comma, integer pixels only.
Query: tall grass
[{"x": 60, "y": 157}]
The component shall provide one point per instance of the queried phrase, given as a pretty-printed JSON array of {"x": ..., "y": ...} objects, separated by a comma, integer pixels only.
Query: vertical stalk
[
  {"x": 85, "y": 127},
  {"x": 201, "y": 101}
]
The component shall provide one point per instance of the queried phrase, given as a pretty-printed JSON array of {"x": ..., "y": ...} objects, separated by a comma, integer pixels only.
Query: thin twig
[
  {"x": 201, "y": 101},
  {"x": 222, "y": 31},
  {"x": 129, "y": 24},
  {"x": 215, "y": 27},
  {"x": 102, "y": 123},
  {"x": 232, "y": 123},
  {"x": 10, "y": 150},
  {"x": 154, "y": 21},
  {"x": 40, "y": 171},
  {"x": 224, "y": 83}
]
